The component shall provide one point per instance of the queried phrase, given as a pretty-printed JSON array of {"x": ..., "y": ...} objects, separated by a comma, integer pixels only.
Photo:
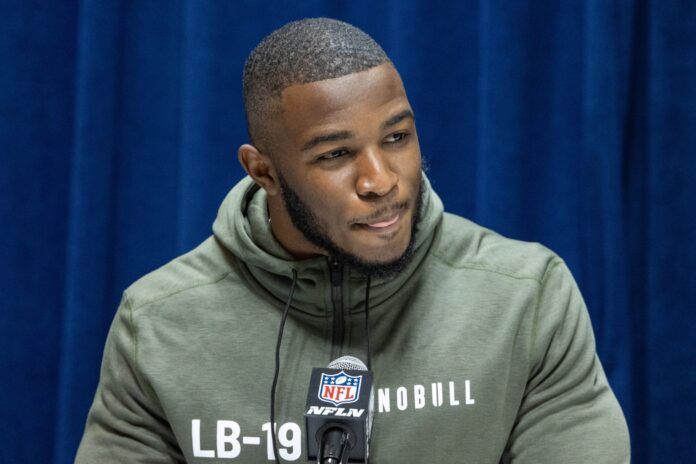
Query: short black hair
[{"x": 301, "y": 52}]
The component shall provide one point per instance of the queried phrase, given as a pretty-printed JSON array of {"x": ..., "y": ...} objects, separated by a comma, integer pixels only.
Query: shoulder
[
  {"x": 464, "y": 244},
  {"x": 206, "y": 265}
]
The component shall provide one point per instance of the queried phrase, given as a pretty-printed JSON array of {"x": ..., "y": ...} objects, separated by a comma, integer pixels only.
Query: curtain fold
[
  {"x": 568, "y": 123},
  {"x": 91, "y": 223}
]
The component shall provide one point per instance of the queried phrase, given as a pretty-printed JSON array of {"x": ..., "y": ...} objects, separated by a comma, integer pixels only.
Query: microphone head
[{"x": 347, "y": 362}]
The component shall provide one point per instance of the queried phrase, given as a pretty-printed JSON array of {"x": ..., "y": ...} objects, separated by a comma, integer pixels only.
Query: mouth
[
  {"x": 383, "y": 222},
  {"x": 388, "y": 223}
]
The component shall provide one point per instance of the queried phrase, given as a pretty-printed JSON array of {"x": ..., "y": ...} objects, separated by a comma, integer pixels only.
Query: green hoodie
[{"x": 482, "y": 352}]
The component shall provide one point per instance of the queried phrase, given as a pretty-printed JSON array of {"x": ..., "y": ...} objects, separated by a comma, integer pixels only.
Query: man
[{"x": 481, "y": 346}]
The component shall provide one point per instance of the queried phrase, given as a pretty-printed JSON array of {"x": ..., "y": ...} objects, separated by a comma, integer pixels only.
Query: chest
[{"x": 443, "y": 386}]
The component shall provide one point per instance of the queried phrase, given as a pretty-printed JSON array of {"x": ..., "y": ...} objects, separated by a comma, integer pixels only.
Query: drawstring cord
[
  {"x": 367, "y": 336},
  {"x": 286, "y": 310},
  {"x": 367, "y": 322}
]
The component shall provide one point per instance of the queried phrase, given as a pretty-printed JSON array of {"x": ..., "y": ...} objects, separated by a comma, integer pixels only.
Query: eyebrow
[
  {"x": 344, "y": 135},
  {"x": 397, "y": 118},
  {"x": 329, "y": 137}
]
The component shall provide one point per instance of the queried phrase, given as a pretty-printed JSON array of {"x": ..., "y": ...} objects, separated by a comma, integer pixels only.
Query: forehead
[{"x": 351, "y": 100}]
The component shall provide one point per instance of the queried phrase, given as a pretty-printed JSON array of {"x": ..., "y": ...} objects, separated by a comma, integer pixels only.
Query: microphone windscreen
[{"x": 347, "y": 362}]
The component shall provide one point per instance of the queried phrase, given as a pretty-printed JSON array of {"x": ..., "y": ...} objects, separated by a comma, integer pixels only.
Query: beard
[{"x": 304, "y": 220}]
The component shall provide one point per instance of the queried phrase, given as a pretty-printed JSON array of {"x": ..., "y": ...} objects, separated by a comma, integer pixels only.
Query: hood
[{"x": 242, "y": 226}]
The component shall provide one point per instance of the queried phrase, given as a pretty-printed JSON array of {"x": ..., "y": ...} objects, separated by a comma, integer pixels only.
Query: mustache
[{"x": 393, "y": 208}]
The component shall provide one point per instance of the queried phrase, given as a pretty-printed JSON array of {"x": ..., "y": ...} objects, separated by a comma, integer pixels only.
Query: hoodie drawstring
[
  {"x": 367, "y": 322},
  {"x": 286, "y": 310}
]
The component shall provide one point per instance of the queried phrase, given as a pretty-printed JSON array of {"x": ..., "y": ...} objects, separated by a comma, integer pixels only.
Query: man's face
[{"x": 349, "y": 167}]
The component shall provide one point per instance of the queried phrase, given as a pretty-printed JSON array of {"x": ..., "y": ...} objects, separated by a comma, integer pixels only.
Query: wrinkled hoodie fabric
[{"x": 482, "y": 352}]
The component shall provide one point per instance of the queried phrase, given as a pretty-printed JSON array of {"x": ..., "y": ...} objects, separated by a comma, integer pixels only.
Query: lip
[{"x": 382, "y": 223}]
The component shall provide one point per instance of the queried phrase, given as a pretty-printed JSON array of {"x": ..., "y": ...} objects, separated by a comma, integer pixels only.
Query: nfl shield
[{"x": 339, "y": 388}]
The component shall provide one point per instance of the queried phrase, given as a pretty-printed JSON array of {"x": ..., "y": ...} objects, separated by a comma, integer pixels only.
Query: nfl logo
[{"x": 339, "y": 388}]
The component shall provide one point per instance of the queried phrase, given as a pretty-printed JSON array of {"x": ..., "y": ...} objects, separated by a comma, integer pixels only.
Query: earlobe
[{"x": 259, "y": 166}]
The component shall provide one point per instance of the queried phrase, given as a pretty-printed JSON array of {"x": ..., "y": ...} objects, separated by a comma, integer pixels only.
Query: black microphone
[{"x": 338, "y": 417}]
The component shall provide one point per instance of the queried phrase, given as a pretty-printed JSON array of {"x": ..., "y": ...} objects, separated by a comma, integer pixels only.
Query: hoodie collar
[{"x": 242, "y": 226}]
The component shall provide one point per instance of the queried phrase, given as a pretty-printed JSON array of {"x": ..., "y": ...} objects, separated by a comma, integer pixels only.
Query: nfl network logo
[{"x": 339, "y": 388}]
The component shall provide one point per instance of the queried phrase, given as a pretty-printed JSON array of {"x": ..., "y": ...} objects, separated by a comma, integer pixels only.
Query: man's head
[
  {"x": 334, "y": 145},
  {"x": 301, "y": 52}
]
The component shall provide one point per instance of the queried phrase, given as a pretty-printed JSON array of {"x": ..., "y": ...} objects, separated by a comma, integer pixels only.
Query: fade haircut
[{"x": 304, "y": 51}]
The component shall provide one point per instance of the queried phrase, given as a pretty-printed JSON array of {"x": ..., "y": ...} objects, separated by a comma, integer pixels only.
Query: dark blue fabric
[{"x": 568, "y": 123}]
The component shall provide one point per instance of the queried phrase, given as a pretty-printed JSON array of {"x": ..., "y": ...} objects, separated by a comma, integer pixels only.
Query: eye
[
  {"x": 333, "y": 155},
  {"x": 396, "y": 137}
]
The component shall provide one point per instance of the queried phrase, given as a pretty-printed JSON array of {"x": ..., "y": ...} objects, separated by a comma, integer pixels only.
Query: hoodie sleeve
[
  {"x": 126, "y": 422},
  {"x": 568, "y": 413}
]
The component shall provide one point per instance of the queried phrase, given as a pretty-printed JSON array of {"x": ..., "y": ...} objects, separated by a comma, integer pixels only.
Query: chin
[
  {"x": 378, "y": 249},
  {"x": 379, "y": 254},
  {"x": 382, "y": 256}
]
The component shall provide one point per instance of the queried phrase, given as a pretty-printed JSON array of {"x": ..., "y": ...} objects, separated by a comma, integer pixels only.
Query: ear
[{"x": 260, "y": 167}]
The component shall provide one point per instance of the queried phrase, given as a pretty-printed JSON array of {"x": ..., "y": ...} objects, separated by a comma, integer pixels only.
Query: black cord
[
  {"x": 367, "y": 332},
  {"x": 367, "y": 322},
  {"x": 286, "y": 310}
]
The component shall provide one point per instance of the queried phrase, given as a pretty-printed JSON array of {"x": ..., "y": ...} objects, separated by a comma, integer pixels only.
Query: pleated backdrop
[{"x": 571, "y": 123}]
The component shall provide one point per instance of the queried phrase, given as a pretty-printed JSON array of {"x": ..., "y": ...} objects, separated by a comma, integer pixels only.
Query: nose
[{"x": 375, "y": 176}]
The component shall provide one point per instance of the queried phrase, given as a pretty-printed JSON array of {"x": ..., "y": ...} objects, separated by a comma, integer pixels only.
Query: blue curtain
[{"x": 570, "y": 123}]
